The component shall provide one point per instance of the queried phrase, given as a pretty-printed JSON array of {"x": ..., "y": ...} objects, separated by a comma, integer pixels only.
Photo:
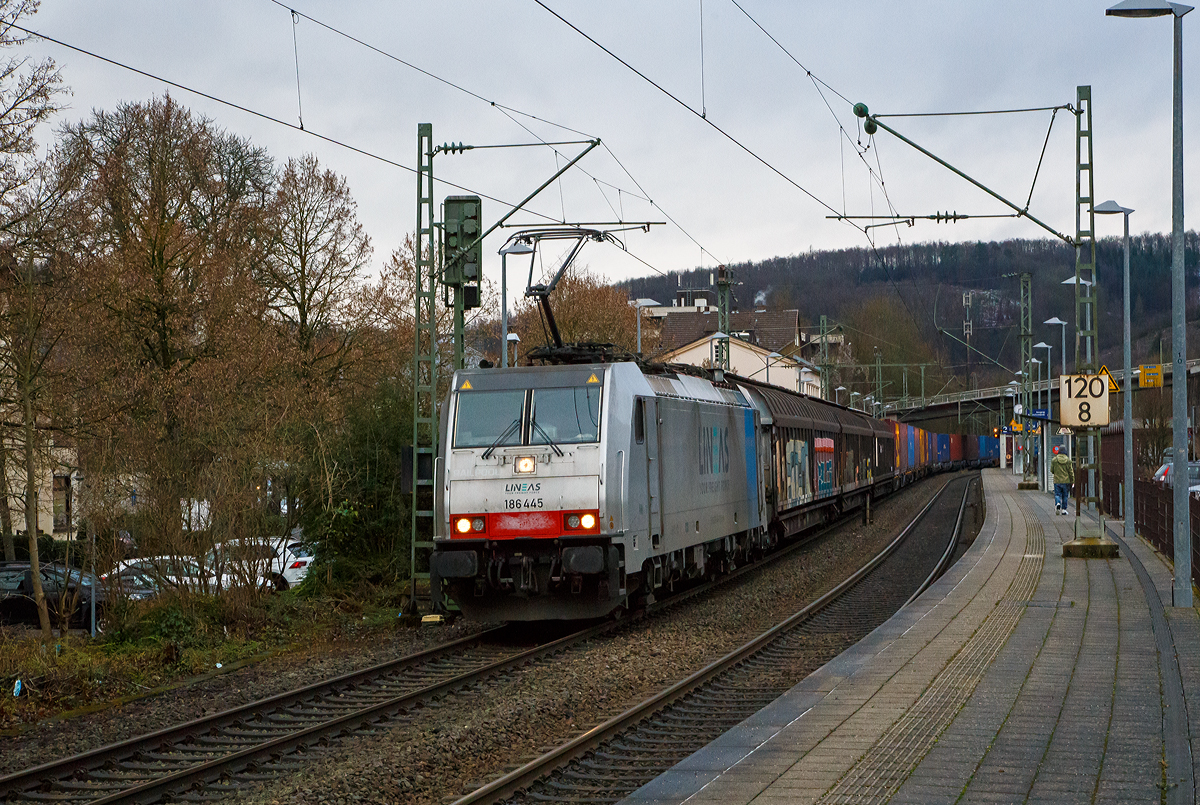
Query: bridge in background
[{"x": 983, "y": 406}]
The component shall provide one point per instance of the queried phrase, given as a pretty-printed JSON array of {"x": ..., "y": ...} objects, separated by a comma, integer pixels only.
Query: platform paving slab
[{"x": 1020, "y": 676}]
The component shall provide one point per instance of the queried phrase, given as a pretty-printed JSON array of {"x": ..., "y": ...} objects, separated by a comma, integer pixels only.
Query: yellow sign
[
  {"x": 1016, "y": 426},
  {"x": 466, "y": 386},
  {"x": 1113, "y": 388},
  {"x": 593, "y": 378},
  {"x": 1151, "y": 376}
]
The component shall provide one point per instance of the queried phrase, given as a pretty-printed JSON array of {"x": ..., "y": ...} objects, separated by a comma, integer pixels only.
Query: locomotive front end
[{"x": 522, "y": 530}]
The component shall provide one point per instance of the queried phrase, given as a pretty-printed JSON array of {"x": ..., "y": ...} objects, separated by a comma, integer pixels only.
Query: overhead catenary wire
[
  {"x": 859, "y": 150},
  {"x": 510, "y": 112},
  {"x": 263, "y": 116},
  {"x": 762, "y": 160},
  {"x": 296, "y": 53}
]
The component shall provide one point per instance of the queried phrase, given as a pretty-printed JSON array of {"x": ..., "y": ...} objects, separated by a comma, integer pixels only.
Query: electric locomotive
[{"x": 568, "y": 492}]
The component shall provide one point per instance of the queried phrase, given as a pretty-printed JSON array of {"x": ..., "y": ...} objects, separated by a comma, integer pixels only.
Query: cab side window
[{"x": 639, "y": 421}]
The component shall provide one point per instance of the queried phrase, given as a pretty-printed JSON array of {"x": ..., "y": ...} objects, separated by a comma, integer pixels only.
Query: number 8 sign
[{"x": 1083, "y": 401}]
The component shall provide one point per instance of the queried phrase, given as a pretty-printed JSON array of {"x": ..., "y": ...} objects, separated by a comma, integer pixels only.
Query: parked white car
[
  {"x": 259, "y": 562},
  {"x": 167, "y": 571}
]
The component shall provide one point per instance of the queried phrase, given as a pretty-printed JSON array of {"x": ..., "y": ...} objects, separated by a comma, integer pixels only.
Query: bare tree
[
  {"x": 173, "y": 230},
  {"x": 29, "y": 95},
  {"x": 586, "y": 309},
  {"x": 318, "y": 255}
]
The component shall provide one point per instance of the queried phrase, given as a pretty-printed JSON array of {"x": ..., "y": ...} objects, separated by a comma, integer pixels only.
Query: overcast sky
[{"x": 897, "y": 57}]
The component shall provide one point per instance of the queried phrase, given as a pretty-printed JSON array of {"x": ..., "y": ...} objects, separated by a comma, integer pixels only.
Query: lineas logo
[{"x": 714, "y": 450}]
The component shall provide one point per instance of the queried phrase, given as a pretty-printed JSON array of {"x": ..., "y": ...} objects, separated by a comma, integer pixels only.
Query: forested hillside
[{"x": 897, "y": 297}]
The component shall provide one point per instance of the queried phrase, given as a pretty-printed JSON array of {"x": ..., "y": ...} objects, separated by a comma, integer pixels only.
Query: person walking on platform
[{"x": 1064, "y": 475}]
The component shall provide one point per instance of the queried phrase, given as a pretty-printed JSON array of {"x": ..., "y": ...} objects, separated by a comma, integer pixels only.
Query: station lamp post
[
  {"x": 638, "y": 306},
  {"x": 837, "y": 397},
  {"x": 1182, "y": 591},
  {"x": 515, "y": 341},
  {"x": 1063, "y": 325},
  {"x": 515, "y": 247},
  {"x": 772, "y": 356},
  {"x": 1046, "y": 485},
  {"x": 1111, "y": 208}
]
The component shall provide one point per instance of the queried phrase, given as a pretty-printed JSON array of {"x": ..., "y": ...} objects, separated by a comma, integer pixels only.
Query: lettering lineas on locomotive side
[{"x": 713, "y": 450}]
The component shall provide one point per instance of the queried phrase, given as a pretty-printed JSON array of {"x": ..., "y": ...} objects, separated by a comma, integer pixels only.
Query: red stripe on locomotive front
[{"x": 510, "y": 525}]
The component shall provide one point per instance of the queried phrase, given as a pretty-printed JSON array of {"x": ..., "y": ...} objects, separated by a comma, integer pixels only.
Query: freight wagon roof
[
  {"x": 796, "y": 411},
  {"x": 854, "y": 422}
]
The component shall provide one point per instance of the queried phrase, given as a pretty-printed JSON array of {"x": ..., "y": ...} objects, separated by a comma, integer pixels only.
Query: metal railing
[{"x": 1153, "y": 514}]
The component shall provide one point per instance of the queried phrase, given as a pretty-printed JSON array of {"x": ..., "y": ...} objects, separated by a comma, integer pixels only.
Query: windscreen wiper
[
  {"x": 516, "y": 423},
  {"x": 549, "y": 441}
]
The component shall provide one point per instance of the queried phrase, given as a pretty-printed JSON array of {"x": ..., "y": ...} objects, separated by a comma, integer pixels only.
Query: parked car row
[
  {"x": 68, "y": 591},
  {"x": 274, "y": 562}
]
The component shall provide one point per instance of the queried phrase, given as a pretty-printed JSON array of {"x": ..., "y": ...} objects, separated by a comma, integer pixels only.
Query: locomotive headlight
[
  {"x": 477, "y": 524},
  {"x": 463, "y": 525},
  {"x": 526, "y": 464},
  {"x": 587, "y": 521},
  {"x": 573, "y": 521}
]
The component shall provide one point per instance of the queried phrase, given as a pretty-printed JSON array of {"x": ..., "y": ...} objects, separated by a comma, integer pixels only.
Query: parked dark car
[{"x": 62, "y": 586}]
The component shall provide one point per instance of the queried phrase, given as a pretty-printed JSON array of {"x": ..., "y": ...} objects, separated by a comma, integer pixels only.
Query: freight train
[{"x": 576, "y": 491}]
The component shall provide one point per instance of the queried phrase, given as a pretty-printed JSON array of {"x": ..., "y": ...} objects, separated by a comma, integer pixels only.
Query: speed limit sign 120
[{"x": 1083, "y": 401}]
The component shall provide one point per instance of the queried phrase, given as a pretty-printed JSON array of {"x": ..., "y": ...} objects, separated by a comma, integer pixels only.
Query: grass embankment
[{"x": 158, "y": 644}]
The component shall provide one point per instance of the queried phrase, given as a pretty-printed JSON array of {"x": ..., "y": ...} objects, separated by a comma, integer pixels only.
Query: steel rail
[
  {"x": 15, "y": 784},
  {"x": 520, "y": 778},
  {"x": 940, "y": 567},
  {"x": 237, "y": 761}
]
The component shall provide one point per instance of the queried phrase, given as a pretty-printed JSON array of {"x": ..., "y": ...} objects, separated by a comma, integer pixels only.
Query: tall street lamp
[
  {"x": 837, "y": 398},
  {"x": 1036, "y": 402},
  {"x": 513, "y": 247},
  {"x": 1183, "y": 533},
  {"x": 1046, "y": 486},
  {"x": 1063, "y": 325},
  {"x": 515, "y": 341},
  {"x": 1110, "y": 208},
  {"x": 638, "y": 305},
  {"x": 770, "y": 357}
]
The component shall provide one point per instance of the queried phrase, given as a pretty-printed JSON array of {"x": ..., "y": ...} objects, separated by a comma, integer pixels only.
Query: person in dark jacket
[{"x": 1064, "y": 475}]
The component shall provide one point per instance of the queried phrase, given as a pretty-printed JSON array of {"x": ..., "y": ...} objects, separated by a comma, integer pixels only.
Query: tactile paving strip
[{"x": 878, "y": 774}]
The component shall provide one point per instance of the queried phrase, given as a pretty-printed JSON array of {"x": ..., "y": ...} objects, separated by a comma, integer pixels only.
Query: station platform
[{"x": 1020, "y": 676}]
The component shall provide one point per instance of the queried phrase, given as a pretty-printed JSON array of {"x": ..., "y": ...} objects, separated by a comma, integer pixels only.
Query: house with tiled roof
[{"x": 769, "y": 330}]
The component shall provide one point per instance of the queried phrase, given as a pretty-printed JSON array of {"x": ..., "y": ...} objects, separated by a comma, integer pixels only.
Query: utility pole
[
  {"x": 724, "y": 281},
  {"x": 1086, "y": 315},
  {"x": 968, "y": 329},
  {"x": 425, "y": 425},
  {"x": 879, "y": 380},
  {"x": 1026, "y": 369},
  {"x": 825, "y": 366}
]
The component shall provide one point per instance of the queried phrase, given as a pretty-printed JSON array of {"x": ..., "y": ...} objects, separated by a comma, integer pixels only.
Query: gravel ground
[
  {"x": 54, "y": 739},
  {"x": 438, "y": 753},
  {"x": 434, "y": 753}
]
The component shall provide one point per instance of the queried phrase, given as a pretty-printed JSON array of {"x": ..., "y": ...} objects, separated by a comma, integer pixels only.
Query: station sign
[
  {"x": 1083, "y": 401},
  {"x": 1151, "y": 376},
  {"x": 1039, "y": 413}
]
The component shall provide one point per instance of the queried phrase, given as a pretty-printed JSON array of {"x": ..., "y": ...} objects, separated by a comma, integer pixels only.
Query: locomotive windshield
[
  {"x": 484, "y": 417},
  {"x": 565, "y": 416},
  {"x": 529, "y": 417}
]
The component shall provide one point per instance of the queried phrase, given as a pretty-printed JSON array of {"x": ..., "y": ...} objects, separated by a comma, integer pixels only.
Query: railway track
[
  {"x": 213, "y": 757},
  {"x": 615, "y": 758},
  {"x": 195, "y": 760}
]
